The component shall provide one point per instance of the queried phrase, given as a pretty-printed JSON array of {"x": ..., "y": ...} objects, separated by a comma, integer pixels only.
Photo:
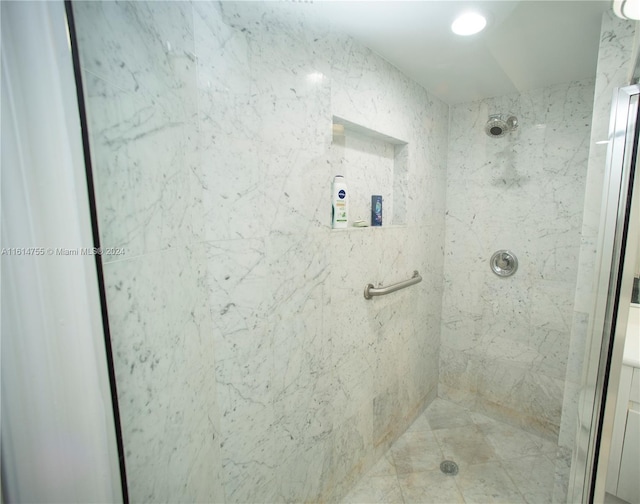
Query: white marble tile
[
  {"x": 356, "y": 257},
  {"x": 141, "y": 121},
  {"x": 265, "y": 140},
  {"x": 573, "y": 384},
  {"x": 299, "y": 266},
  {"x": 504, "y": 348},
  {"x": 553, "y": 351},
  {"x": 222, "y": 53},
  {"x": 431, "y": 486},
  {"x": 533, "y": 476},
  {"x": 239, "y": 289},
  {"x": 458, "y": 378},
  {"x": 506, "y": 304},
  {"x": 379, "y": 489},
  {"x": 307, "y": 475},
  {"x": 229, "y": 172},
  {"x": 444, "y": 415},
  {"x": 557, "y": 251},
  {"x": 302, "y": 388},
  {"x": 142, "y": 48},
  {"x": 360, "y": 76},
  {"x": 352, "y": 454},
  {"x": 240, "y": 301},
  {"x": 466, "y": 445},
  {"x": 352, "y": 386},
  {"x": 562, "y": 465},
  {"x": 247, "y": 416},
  {"x": 247, "y": 445},
  {"x": 164, "y": 355},
  {"x": 383, "y": 467},
  {"x": 387, "y": 414},
  {"x": 488, "y": 482},
  {"x": 551, "y": 305},
  {"x": 502, "y": 387},
  {"x": 140, "y": 165},
  {"x": 416, "y": 451},
  {"x": 512, "y": 443}
]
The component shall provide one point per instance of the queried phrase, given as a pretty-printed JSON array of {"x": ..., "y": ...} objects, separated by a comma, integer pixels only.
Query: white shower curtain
[{"x": 58, "y": 437}]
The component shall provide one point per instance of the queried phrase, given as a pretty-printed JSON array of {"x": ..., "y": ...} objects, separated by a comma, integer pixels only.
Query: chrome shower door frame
[{"x": 610, "y": 303}]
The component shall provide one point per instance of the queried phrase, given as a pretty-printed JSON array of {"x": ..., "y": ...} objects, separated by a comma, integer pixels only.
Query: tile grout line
[
  {"x": 515, "y": 485},
  {"x": 395, "y": 470}
]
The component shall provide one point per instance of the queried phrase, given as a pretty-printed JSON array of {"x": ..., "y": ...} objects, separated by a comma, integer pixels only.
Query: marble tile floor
[
  {"x": 497, "y": 462},
  {"x": 612, "y": 499}
]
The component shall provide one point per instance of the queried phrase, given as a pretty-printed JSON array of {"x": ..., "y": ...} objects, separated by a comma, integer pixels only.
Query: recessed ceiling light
[
  {"x": 627, "y": 9},
  {"x": 468, "y": 23}
]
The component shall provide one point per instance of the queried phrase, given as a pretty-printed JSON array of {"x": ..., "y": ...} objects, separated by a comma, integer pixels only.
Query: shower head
[{"x": 499, "y": 125}]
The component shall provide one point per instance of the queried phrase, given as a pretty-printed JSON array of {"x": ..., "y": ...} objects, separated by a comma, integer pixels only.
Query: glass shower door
[{"x": 613, "y": 287}]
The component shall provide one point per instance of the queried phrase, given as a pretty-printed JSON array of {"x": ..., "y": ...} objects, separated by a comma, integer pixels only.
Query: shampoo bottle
[{"x": 340, "y": 201}]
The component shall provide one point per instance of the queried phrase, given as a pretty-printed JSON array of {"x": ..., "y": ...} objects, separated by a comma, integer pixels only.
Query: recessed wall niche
[{"x": 372, "y": 163}]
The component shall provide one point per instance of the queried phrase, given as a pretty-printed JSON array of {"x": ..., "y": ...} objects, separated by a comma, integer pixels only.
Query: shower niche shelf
[{"x": 372, "y": 163}]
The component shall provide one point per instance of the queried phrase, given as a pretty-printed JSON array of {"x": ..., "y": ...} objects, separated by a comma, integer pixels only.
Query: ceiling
[{"x": 527, "y": 44}]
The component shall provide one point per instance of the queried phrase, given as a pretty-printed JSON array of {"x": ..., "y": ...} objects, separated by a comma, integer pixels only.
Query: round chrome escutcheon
[{"x": 504, "y": 263}]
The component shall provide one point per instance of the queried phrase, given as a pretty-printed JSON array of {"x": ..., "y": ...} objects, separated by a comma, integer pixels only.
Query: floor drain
[{"x": 449, "y": 467}]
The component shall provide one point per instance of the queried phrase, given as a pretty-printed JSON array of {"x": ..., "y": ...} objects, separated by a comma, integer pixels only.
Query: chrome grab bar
[{"x": 370, "y": 290}]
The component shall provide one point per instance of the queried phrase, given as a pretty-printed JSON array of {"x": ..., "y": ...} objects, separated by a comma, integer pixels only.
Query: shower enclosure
[
  {"x": 608, "y": 325},
  {"x": 248, "y": 365}
]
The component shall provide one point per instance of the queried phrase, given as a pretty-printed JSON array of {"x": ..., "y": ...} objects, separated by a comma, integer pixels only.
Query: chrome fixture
[
  {"x": 499, "y": 125},
  {"x": 370, "y": 290},
  {"x": 504, "y": 263}
]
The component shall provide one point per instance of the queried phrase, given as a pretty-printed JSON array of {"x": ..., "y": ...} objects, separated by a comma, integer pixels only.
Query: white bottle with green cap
[{"x": 340, "y": 201}]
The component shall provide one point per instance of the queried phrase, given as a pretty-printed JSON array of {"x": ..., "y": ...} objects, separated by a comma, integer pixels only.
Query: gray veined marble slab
[
  {"x": 505, "y": 339},
  {"x": 167, "y": 391}
]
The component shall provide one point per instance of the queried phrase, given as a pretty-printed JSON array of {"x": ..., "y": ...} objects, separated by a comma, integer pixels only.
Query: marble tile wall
[
  {"x": 505, "y": 341},
  {"x": 143, "y": 122},
  {"x": 249, "y": 366}
]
